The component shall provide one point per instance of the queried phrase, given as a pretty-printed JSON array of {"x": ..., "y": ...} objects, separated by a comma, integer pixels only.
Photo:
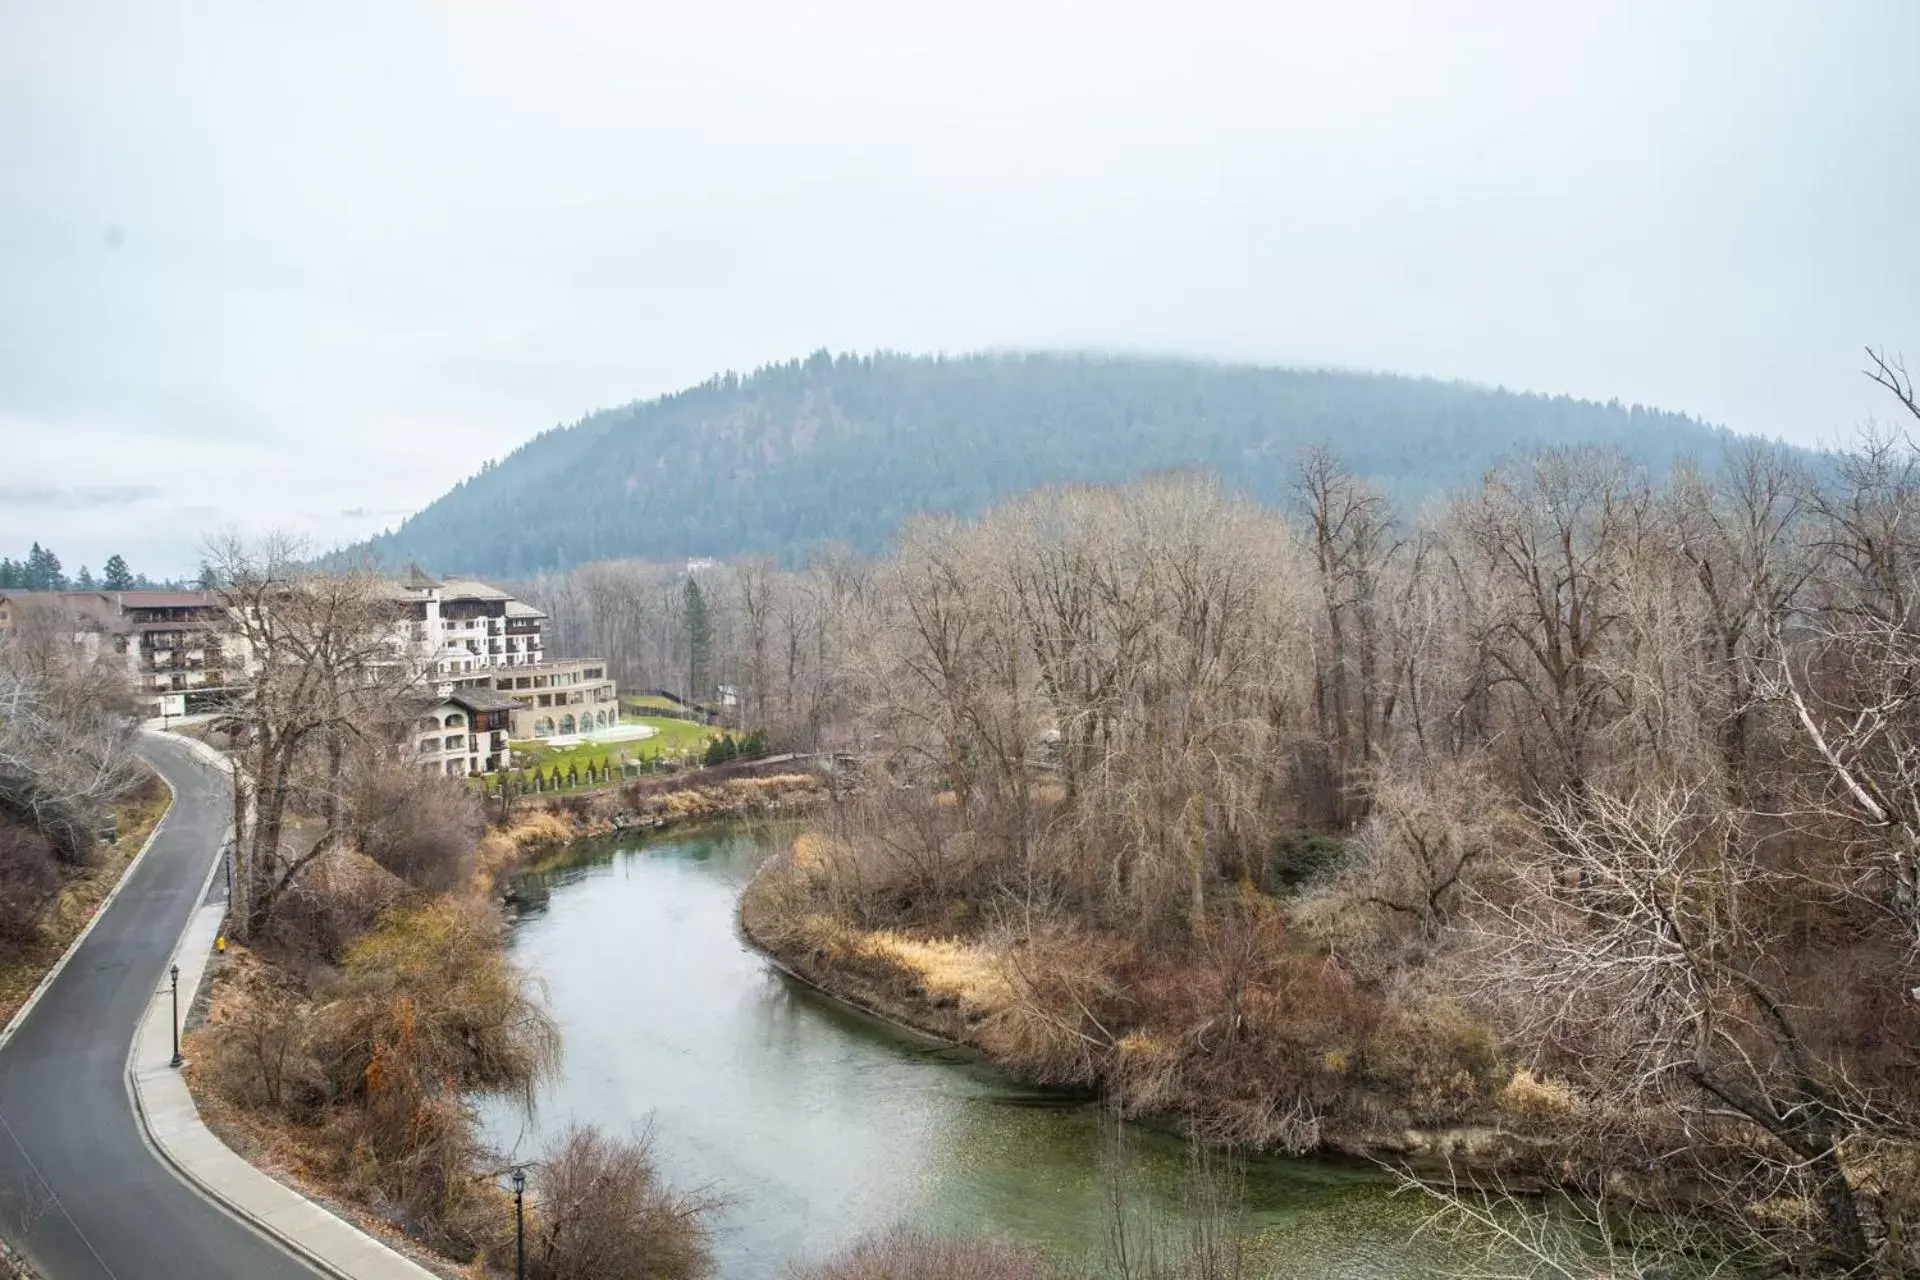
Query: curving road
[{"x": 83, "y": 1195}]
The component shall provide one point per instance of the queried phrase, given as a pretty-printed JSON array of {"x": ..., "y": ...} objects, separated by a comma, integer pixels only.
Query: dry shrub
[
  {"x": 907, "y": 1254},
  {"x": 809, "y": 852},
  {"x": 1536, "y": 1097},
  {"x": 532, "y": 828},
  {"x": 601, "y": 1212},
  {"x": 29, "y": 883},
  {"x": 1069, "y": 1005},
  {"x": 262, "y": 1047},
  {"x": 422, "y": 827},
  {"x": 427, "y": 1011},
  {"x": 338, "y": 899},
  {"x": 434, "y": 977}
]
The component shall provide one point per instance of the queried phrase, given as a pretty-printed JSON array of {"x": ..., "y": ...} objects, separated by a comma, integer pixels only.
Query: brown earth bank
[{"x": 1288, "y": 1055}]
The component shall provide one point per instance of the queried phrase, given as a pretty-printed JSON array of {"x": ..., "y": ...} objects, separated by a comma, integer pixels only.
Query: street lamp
[
  {"x": 519, "y": 1225},
  {"x": 177, "y": 1059}
]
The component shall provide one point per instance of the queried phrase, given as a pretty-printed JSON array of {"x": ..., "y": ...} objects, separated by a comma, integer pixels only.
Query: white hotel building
[{"x": 482, "y": 651}]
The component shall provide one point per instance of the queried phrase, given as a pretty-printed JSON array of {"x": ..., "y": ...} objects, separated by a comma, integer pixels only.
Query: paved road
[{"x": 83, "y": 1195}]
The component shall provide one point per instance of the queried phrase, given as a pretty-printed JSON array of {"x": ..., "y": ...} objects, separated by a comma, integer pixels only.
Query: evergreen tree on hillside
[
  {"x": 845, "y": 448},
  {"x": 84, "y": 582},
  {"x": 12, "y": 576},
  {"x": 699, "y": 641},
  {"x": 115, "y": 576}
]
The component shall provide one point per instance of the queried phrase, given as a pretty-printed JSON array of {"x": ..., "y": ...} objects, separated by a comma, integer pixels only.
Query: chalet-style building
[
  {"x": 475, "y": 642},
  {"x": 178, "y": 659},
  {"x": 466, "y": 732},
  {"x": 476, "y": 651}
]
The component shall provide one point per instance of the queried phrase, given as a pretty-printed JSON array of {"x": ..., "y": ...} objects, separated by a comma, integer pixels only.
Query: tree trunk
[{"x": 1841, "y": 1211}]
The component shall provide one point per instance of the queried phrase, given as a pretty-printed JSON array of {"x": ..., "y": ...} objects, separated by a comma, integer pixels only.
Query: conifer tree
[
  {"x": 115, "y": 576},
  {"x": 699, "y": 640},
  {"x": 43, "y": 570}
]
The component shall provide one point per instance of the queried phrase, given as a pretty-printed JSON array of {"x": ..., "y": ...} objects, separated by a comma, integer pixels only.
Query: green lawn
[{"x": 674, "y": 738}]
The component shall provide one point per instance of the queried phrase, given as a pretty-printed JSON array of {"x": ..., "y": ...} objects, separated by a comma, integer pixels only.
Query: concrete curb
[
  {"x": 99, "y": 913},
  {"x": 173, "y": 1126}
]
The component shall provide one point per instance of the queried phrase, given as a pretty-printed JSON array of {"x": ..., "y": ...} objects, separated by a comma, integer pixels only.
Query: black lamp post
[
  {"x": 519, "y": 1225},
  {"x": 177, "y": 1059}
]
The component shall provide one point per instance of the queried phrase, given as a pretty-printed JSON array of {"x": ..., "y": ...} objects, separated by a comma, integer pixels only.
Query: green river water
[{"x": 819, "y": 1123}]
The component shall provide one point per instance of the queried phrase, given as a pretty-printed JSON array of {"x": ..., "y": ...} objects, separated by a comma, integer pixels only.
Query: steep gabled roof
[{"x": 481, "y": 700}]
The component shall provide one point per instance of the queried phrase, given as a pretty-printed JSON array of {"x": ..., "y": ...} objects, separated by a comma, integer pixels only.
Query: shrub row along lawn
[{"x": 673, "y": 739}]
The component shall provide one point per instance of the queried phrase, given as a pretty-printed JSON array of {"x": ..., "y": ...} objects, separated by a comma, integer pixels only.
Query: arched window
[
  {"x": 599, "y": 719},
  {"x": 455, "y": 720},
  {"x": 566, "y": 724},
  {"x": 543, "y": 727}
]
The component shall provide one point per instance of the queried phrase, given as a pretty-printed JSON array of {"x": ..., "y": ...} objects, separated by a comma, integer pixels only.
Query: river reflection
[{"x": 819, "y": 1123}]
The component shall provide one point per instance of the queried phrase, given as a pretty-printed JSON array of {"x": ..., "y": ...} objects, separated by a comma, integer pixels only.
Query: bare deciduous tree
[{"x": 326, "y": 666}]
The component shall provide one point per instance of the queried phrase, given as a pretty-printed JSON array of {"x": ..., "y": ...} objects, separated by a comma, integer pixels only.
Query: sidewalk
[{"x": 173, "y": 1123}]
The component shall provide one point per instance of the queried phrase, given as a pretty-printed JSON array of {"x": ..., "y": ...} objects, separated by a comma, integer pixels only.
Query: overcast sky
[{"x": 306, "y": 266}]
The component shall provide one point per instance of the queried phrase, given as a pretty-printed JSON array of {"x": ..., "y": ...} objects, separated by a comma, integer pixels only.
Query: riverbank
[
  {"x": 826, "y": 1126},
  {"x": 278, "y": 1047},
  {"x": 1347, "y": 1077}
]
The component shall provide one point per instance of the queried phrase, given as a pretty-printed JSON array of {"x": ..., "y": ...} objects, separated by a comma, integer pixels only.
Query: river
[{"x": 819, "y": 1123}]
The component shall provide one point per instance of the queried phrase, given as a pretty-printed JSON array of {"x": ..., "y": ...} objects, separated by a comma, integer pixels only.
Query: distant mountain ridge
[{"x": 847, "y": 447}]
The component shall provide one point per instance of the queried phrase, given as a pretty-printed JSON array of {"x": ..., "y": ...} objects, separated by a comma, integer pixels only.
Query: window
[
  {"x": 429, "y": 746},
  {"x": 543, "y": 727},
  {"x": 546, "y": 699},
  {"x": 566, "y": 724},
  {"x": 455, "y": 720},
  {"x": 522, "y": 682}
]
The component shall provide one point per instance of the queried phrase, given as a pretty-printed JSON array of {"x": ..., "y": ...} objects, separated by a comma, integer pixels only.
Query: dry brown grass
[{"x": 1529, "y": 1095}]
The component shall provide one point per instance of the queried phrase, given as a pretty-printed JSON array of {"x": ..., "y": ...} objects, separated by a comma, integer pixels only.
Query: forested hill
[{"x": 846, "y": 448}]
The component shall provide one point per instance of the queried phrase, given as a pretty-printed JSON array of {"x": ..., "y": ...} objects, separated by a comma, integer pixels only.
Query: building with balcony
[
  {"x": 459, "y": 627},
  {"x": 178, "y": 659},
  {"x": 464, "y": 733},
  {"x": 474, "y": 641}
]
